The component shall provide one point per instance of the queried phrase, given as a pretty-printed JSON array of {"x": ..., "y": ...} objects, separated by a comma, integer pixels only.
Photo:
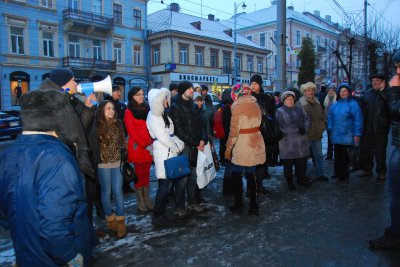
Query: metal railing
[
  {"x": 89, "y": 63},
  {"x": 87, "y": 17}
]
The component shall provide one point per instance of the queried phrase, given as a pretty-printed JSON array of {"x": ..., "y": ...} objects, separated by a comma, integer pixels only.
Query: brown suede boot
[
  {"x": 121, "y": 226},
  {"x": 146, "y": 196},
  {"x": 141, "y": 205},
  {"x": 111, "y": 222}
]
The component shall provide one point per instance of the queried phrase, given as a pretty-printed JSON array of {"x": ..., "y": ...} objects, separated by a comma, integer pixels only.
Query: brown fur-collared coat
[{"x": 247, "y": 149}]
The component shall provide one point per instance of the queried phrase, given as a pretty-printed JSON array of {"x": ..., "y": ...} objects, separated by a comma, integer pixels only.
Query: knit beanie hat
[
  {"x": 309, "y": 85},
  {"x": 173, "y": 86},
  {"x": 61, "y": 76},
  {"x": 256, "y": 78},
  {"x": 183, "y": 86},
  {"x": 287, "y": 94},
  {"x": 239, "y": 90}
]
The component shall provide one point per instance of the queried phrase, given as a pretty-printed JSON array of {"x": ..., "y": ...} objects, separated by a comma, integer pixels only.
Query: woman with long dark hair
[
  {"x": 111, "y": 141},
  {"x": 139, "y": 145}
]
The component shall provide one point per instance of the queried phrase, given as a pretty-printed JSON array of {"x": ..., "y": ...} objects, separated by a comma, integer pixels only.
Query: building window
[
  {"x": 298, "y": 38},
  {"x": 137, "y": 19},
  {"x": 250, "y": 38},
  {"x": 118, "y": 52},
  {"x": 17, "y": 40},
  {"x": 97, "y": 7},
  {"x": 318, "y": 41},
  {"x": 46, "y": 3},
  {"x": 249, "y": 63},
  {"x": 262, "y": 39},
  {"x": 156, "y": 55},
  {"x": 226, "y": 63},
  {"x": 183, "y": 54},
  {"x": 326, "y": 43},
  {"x": 74, "y": 47},
  {"x": 260, "y": 65},
  {"x": 96, "y": 49},
  {"x": 214, "y": 58},
  {"x": 48, "y": 44},
  {"x": 307, "y": 35},
  {"x": 136, "y": 55},
  {"x": 73, "y": 4},
  {"x": 239, "y": 62},
  {"x": 275, "y": 36},
  {"x": 199, "y": 56},
  {"x": 117, "y": 14}
]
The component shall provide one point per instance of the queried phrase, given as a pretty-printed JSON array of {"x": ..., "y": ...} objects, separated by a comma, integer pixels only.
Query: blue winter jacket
[
  {"x": 41, "y": 196},
  {"x": 345, "y": 120}
]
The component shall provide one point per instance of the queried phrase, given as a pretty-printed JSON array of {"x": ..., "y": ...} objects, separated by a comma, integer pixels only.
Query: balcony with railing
[
  {"x": 321, "y": 49},
  {"x": 89, "y": 63},
  {"x": 88, "y": 19},
  {"x": 320, "y": 72}
]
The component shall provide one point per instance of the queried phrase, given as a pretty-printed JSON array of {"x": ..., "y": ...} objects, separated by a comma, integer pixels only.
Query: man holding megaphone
[{"x": 81, "y": 137}]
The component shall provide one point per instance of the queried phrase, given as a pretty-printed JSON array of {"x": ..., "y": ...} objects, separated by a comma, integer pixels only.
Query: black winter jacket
[
  {"x": 187, "y": 122},
  {"x": 393, "y": 97},
  {"x": 374, "y": 108}
]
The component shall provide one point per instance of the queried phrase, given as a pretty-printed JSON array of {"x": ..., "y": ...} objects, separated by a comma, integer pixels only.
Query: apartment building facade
[
  {"x": 261, "y": 27},
  {"x": 186, "y": 47},
  {"x": 94, "y": 38}
]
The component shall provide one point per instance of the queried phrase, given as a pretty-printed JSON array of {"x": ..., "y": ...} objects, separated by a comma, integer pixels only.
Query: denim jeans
[
  {"x": 316, "y": 150},
  {"x": 111, "y": 180},
  {"x": 393, "y": 186},
  {"x": 164, "y": 187}
]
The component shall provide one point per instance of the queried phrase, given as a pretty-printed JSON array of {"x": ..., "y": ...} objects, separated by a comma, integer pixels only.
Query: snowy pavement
[{"x": 328, "y": 224}]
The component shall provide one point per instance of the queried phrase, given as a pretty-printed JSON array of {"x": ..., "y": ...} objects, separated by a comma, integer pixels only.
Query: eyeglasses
[{"x": 140, "y": 94}]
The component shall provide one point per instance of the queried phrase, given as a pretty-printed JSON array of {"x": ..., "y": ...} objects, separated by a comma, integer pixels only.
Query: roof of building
[
  {"x": 164, "y": 20},
  {"x": 269, "y": 16}
]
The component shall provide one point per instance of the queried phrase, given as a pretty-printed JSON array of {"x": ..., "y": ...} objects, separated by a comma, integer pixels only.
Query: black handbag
[
  {"x": 127, "y": 170},
  {"x": 354, "y": 155},
  {"x": 270, "y": 130}
]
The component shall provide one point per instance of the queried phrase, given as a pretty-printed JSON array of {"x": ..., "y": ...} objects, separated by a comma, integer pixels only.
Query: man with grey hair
[{"x": 312, "y": 107}]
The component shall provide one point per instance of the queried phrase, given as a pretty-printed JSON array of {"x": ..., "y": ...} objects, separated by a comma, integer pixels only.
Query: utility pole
[
  {"x": 281, "y": 46},
  {"x": 365, "y": 59}
]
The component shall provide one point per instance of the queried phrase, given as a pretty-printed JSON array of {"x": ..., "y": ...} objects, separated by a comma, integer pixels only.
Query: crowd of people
[{"x": 61, "y": 188}]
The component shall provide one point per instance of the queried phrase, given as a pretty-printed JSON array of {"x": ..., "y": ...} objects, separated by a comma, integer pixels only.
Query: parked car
[{"x": 10, "y": 124}]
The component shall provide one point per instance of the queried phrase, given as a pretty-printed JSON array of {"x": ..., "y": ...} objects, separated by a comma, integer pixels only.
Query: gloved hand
[
  {"x": 302, "y": 131},
  {"x": 228, "y": 154}
]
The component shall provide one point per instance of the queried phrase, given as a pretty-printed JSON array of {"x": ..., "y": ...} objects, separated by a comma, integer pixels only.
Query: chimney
[
  {"x": 273, "y": 3},
  {"x": 328, "y": 18},
  {"x": 291, "y": 7},
  {"x": 174, "y": 7},
  {"x": 211, "y": 17},
  {"x": 317, "y": 13}
]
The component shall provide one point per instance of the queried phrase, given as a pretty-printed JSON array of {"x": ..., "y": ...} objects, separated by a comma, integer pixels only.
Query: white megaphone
[{"x": 104, "y": 86}]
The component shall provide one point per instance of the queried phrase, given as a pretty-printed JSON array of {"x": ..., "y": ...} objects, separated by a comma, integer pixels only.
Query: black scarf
[{"x": 139, "y": 112}]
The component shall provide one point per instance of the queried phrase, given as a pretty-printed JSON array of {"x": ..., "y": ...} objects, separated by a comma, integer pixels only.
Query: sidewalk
[{"x": 328, "y": 224}]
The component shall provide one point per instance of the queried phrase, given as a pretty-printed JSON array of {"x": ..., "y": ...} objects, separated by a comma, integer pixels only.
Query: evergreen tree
[{"x": 307, "y": 59}]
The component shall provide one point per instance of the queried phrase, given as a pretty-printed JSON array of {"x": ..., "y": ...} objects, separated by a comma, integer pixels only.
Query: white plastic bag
[{"x": 205, "y": 167}]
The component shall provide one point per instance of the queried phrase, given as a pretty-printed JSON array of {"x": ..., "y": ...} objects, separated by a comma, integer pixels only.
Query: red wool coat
[{"x": 139, "y": 139}]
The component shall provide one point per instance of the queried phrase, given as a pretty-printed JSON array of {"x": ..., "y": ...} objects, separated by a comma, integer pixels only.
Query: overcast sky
[{"x": 386, "y": 10}]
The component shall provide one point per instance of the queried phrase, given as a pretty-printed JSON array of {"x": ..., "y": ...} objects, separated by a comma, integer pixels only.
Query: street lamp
[{"x": 235, "y": 74}]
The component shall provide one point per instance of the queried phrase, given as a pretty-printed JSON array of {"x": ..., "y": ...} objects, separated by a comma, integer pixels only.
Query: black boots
[
  {"x": 251, "y": 183},
  {"x": 304, "y": 181},
  {"x": 290, "y": 183},
  {"x": 260, "y": 188},
  {"x": 237, "y": 185}
]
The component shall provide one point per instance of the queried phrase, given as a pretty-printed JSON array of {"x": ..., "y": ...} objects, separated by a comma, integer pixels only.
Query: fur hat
[
  {"x": 309, "y": 85},
  {"x": 256, "y": 78},
  {"x": 286, "y": 94},
  {"x": 45, "y": 110},
  {"x": 196, "y": 85},
  {"x": 61, "y": 76},
  {"x": 239, "y": 90},
  {"x": 156, "y": 99},
  {"x": 183, "y": 86}
]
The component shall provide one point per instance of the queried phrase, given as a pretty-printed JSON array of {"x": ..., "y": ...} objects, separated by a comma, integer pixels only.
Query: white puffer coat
[{"x": 164, "y": 138}]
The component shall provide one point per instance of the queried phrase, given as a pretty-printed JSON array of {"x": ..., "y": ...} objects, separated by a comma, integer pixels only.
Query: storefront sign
[{"x": 199, "y": 78}]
